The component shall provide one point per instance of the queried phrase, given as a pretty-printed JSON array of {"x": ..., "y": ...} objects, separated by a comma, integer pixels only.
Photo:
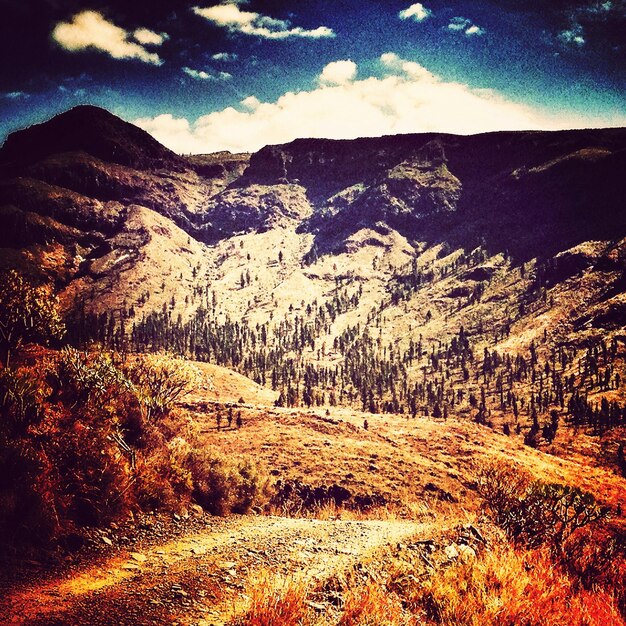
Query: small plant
[
  {"x": 159, "y": 382},
  {"x": 276, "y": 602}
]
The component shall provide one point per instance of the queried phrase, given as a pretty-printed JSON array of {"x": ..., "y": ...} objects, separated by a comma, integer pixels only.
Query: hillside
[
  {"x": 403, "y": 357},
  {"x": 432, "y": 262}
]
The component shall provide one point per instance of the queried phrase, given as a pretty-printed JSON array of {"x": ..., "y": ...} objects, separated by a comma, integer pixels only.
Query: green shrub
[
  {"x": 222, "y": 485},
  {"x": 89, "y": 377},
  {"x": 535, "y": 513}
]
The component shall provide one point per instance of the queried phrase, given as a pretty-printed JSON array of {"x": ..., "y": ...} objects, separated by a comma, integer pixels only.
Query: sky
[{"x": 211, "y": 75}]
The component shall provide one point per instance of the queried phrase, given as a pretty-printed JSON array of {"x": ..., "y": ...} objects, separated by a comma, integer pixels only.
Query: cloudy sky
[{"x": 239, "y": 74}]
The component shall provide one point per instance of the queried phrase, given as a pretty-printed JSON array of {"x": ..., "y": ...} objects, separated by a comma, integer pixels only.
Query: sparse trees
[{"x": 27, "y": 312}]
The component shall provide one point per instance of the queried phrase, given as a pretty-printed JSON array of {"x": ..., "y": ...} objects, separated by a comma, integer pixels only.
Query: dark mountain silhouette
[{"x": 94, "y": 131}]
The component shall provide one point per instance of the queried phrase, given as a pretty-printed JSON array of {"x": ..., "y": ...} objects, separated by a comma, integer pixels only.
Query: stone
[
  {"x": 130, "y": 566},
  {"x": 451, "y": 552},
  {"x": 467, "y": 553},
  {"x": 137, "y": 556},
  {"x": 196, "y": 509}
]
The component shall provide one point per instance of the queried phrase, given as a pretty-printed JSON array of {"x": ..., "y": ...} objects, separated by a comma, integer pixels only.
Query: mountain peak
[{"x": 94, "y": 131}]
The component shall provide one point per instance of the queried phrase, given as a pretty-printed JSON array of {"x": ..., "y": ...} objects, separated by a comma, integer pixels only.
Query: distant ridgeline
[{"x": 425, "y": 274}]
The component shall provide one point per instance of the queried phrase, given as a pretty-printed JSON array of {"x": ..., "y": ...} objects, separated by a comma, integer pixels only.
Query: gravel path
[{"x": 199, "y": 579}]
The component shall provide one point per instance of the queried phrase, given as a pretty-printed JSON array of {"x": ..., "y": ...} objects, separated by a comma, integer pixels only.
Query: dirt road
[{"x": 199, "y": 579}]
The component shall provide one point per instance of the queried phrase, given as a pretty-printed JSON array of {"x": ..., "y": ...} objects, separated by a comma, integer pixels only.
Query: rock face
[{"x": 112, "y": 216}]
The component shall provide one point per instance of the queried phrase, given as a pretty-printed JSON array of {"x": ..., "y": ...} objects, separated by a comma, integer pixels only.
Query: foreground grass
[{"x": 502, "y": 586}]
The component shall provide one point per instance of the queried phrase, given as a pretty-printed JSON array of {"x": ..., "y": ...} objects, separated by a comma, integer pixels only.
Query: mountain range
[{"x": 509, "y": 238}]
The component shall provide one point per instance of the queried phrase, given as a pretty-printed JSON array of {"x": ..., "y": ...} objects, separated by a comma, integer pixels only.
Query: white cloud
[
  {"x": 573, "y": 37},
  {"x": 224, "y": 56},
  {"x": 90, "y": 30},
  {"x": 405, "y": 98},
  {"x": 231, "y": 17},
  {"x": 202, "y": 75},
  {"x": 173, "y": 132},
  {"x": 465, "y": 26},
  {"x": 15, "y": 95},
  {"x": 414, "y": 71},
  {"x": 338, "y": 73},
  {"x": 417, "y": 12},
  {"x": 150, "y": 38},
  {"x": 251, "y": 103},
  {"x": 474, "y": 30}
]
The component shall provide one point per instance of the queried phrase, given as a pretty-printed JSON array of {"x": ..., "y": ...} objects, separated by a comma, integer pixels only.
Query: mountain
[{"x": 319, "y": 258}]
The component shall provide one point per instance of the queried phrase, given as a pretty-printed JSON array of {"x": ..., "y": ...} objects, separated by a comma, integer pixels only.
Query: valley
[{"x": 355, "y": 343}]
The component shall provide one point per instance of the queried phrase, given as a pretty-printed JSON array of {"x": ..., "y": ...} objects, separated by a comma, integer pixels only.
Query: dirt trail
[{"x": 200, "y": 579}]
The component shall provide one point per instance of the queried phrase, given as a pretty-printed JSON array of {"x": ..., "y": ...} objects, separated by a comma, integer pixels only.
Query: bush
[
  {"x": 22, "y": 399},
  {"x": 159, "y": 381},
  {"x": 27, "y": 313},
  {"x": 535, "y": 513},
  {"x": 63, "y": 460},
  {"x": 222, "y": 485},
  {"x": 27, "y": 511},
  {"x": 89, "y": 377}
]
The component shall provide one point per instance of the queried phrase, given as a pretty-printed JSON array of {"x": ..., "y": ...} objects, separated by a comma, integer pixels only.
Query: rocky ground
[{"x": 201, "y": 576}]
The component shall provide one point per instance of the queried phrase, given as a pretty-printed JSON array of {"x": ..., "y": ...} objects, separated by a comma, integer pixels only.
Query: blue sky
[{"x": 240, "y": 74}]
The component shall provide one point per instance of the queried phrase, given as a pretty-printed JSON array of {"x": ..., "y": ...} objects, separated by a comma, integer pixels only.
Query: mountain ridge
[{"x": 257, "y": 230}]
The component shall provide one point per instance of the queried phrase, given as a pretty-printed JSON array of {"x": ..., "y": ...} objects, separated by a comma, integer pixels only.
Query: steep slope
[{"x": 343, "y": 271}]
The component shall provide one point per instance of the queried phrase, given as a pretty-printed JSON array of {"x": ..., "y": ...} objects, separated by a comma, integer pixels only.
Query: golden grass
[
  {"x": 372, "y": 605},
  {"x": 275, "y": 601},
  {"x": 397, "y": 456},
  {"x": 506, "y": 587}
]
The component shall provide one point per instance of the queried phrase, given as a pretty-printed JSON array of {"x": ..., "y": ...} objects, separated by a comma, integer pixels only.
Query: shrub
[
  {"x": 63, "y": 459},
  {"x": 27, "y": 313},
  {"x": 223, "y": 485},
  {"x": 159, "y": 381},
  {"x": 22, "y": 398},
  {"x": 27, "y": 511},
  {"x": 89, "y": 377},
  {"x": 535, "y": 513}
]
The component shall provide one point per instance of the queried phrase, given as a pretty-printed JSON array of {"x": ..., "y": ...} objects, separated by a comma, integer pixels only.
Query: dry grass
[
  {"x": 506, "y": 588},
  {"x": 500, "y": 587},
  {"x": 402, "y": 510},
  {"x": 372, "y": 605},
  {"x": 416, "y": 464},
  {"x": 275, "y": 601}
]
